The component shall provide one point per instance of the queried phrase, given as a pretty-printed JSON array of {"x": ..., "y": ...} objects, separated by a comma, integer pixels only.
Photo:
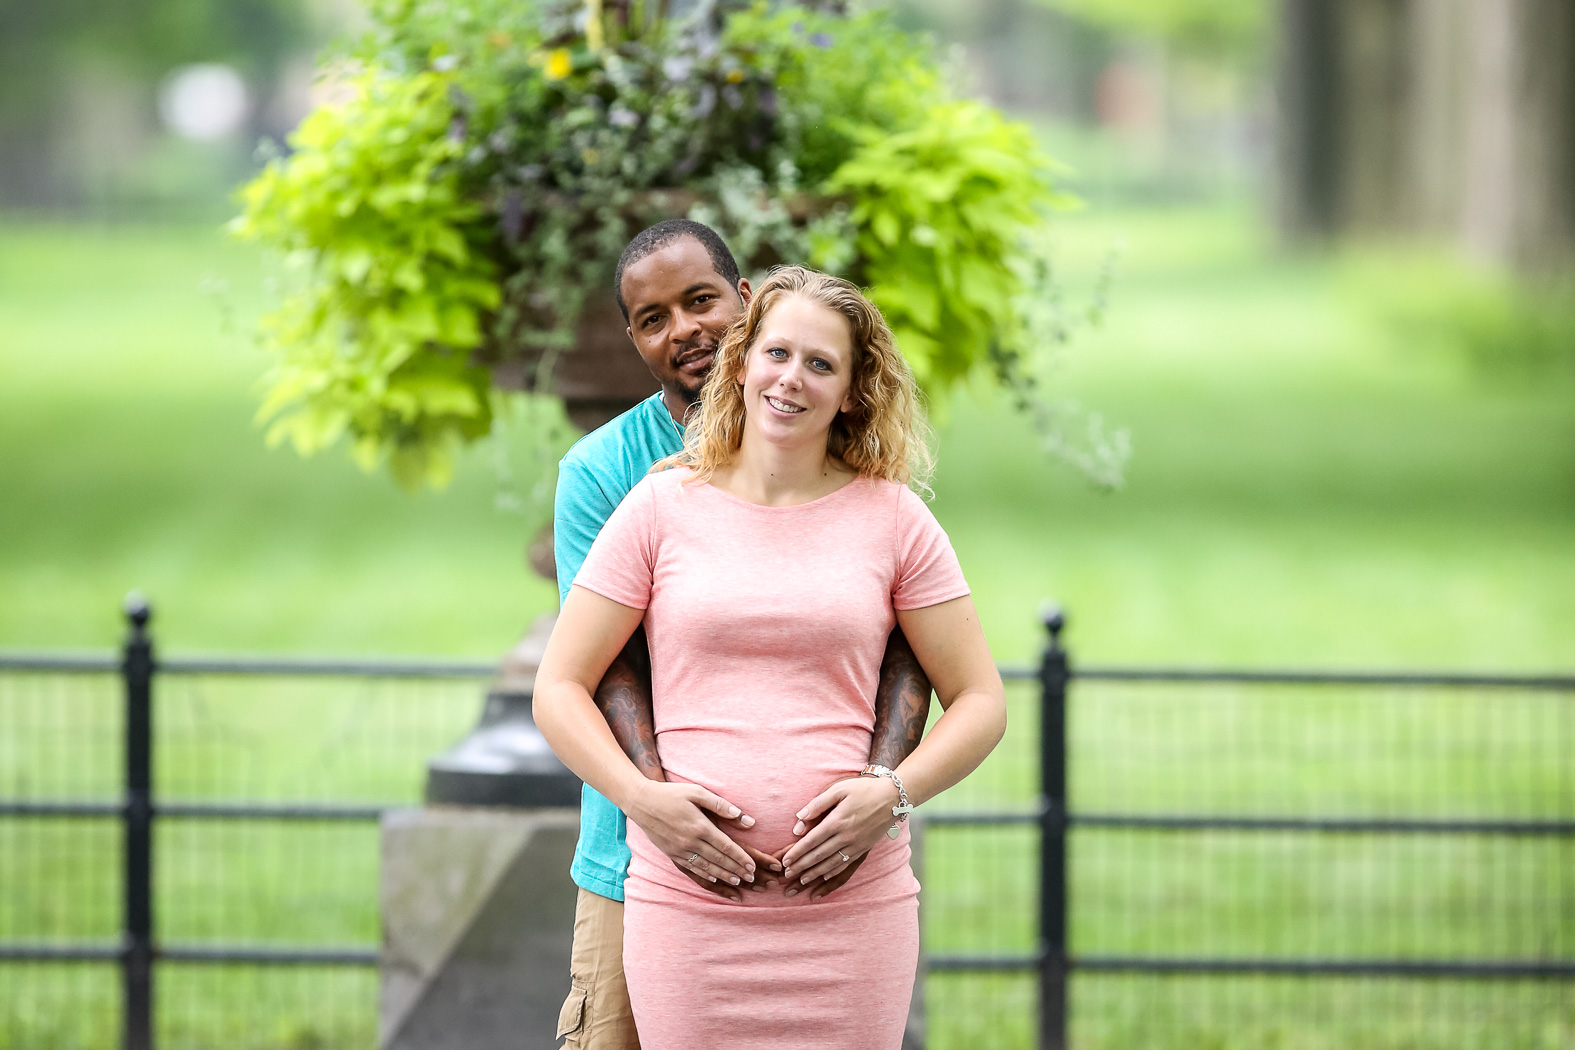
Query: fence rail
[{"x": 1052, "y": 963}]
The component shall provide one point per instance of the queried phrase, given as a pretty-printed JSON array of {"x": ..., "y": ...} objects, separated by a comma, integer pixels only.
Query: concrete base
[{"x": 478, "y": 918}]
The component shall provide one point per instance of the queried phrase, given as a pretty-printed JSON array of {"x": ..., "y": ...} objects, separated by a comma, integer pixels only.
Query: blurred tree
[
  {"x": 49, "y": 50},
  {"x": 1439, "y": 117}
]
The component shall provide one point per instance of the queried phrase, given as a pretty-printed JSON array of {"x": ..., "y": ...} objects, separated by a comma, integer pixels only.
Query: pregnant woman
[{"x": 768, "y": 566}]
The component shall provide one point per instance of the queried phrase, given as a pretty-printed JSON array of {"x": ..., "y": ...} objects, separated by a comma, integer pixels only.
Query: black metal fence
[
  {"x": 1208, "y": 858},
  {"x": 1543, "y": 739}
]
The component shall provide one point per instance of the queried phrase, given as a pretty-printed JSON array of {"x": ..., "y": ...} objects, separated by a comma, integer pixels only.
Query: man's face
[{"x": 679, "y": 306}]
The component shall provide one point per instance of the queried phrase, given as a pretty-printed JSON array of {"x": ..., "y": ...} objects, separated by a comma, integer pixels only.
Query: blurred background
[{"x": 1340, "y": 333}]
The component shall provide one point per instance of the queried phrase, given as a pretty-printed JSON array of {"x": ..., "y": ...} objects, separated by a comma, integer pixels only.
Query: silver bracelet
[{"x": 901, "y": 810}]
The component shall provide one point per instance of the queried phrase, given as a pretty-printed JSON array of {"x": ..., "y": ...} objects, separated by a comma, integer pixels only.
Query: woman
[{"x": 768, "y": 569}]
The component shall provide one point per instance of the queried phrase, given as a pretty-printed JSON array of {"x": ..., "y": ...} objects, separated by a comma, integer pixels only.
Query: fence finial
[
  {"x": 137, "y": 610},
  {"x": 1054, "y": 619}
]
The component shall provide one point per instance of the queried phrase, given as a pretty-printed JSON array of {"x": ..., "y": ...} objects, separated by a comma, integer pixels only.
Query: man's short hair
[{"x": 654, "y": 238}]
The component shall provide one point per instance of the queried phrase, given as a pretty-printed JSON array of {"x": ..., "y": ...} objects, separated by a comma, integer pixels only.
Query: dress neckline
[{"x": 833, "y": 494}]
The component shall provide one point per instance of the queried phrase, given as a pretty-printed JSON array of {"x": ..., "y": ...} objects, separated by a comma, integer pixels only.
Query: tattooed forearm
[
  {"x": 624, "y": 697},
  {"x": 902, "y": 703}
]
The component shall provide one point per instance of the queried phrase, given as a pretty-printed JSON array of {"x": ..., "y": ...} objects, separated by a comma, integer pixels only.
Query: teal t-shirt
[{"x": 593, "y": 478}]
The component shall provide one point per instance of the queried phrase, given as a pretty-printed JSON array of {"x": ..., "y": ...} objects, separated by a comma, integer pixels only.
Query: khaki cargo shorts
[{"x": 596, "y": 1015}]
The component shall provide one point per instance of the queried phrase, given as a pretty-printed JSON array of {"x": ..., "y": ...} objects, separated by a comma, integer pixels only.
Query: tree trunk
[
  {"x": 1432, "y": 116},
  {"x": 1309, "y": 76}
]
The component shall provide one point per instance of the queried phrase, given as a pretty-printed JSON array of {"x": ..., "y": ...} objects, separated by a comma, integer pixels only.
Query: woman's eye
[
  {"x": 822, "y": 364},
  {"x": 776, "y": 351}
]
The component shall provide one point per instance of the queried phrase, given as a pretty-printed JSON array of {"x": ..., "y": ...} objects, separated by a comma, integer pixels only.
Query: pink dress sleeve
[
  {"x": 623, "y": 557},
  {"x": 927, "y": 568}
]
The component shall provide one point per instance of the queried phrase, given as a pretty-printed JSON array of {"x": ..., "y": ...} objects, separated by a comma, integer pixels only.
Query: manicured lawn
[{"x": 1307, "y": 487}]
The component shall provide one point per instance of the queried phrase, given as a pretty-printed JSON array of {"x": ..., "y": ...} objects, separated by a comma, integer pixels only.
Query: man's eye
[{"x": 650, "y": 320}]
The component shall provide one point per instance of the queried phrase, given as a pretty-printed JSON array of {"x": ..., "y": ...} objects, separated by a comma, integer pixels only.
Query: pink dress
[{"x": 767, "y": 626}]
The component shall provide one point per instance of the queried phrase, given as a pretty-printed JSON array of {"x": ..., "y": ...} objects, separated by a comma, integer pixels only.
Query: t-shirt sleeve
[
  {"x": 927, "y": 568},
  {"x": 623, "y": 557},
  {"x": 581, "y": 506}
]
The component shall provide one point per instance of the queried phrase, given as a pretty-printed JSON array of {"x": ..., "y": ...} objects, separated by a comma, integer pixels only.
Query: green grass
[{"x": 1309, "y": 488}]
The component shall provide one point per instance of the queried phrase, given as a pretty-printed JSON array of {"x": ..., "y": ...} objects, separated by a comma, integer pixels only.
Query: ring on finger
[
  {"x": 694, "y": 858},
  {"x": 845, "y": 858}
]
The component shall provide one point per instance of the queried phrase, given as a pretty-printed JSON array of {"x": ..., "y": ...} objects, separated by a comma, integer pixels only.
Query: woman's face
[{"x": 799, "y": 373}]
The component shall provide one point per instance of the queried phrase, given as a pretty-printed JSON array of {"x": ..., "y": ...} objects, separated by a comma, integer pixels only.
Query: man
[{"x": 679, "y": 289}]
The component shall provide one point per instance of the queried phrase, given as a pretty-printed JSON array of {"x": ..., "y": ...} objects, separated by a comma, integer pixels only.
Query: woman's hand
[
  {"x": 676, "y": 818},
  {"x": 848, "y": 819}
]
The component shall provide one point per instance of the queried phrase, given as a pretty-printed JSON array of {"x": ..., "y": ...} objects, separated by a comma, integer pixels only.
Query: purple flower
[
  {"x": 622, "y": 118},
  {"x": 677, "y": 68},
  {"x": 705, "y": 103},
  {"x": 512, "y": 220},
  {"x": 821, "y": 40}
]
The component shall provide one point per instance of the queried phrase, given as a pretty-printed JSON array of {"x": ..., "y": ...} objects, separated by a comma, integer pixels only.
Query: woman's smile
[{"x": 783, "y": 406}]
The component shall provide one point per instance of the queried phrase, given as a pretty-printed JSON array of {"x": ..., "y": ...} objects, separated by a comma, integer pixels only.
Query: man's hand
[
  {"x": 677, "y": 818},
  {"x": 768, "y": 874},
  {"x": 838, "y": 827}
]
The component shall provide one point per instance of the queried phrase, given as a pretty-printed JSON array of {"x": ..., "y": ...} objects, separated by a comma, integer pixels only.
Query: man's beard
[{"x": 691, "y": 397}]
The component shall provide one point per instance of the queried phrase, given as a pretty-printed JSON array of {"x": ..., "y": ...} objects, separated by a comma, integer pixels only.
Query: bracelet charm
[{"x": 903, "y": 807}]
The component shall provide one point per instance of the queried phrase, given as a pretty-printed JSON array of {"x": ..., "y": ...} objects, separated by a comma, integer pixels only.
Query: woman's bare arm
[
  {"x": 951, "y": 647},
  {"x": 590, "y": 632},
  {"x": 950, "y": 644}
]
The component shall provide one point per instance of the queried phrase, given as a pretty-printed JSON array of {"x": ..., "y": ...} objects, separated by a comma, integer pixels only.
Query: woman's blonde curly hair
[{"x": 885, "y": 435}]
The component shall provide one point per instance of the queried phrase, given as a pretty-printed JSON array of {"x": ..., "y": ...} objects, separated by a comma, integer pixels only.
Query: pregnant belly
[{"x": 769, "y": 773}]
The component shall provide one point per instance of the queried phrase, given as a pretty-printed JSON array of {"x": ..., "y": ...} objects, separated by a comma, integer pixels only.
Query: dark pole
[
  {"x": 137, "y": 958},
  {"x": 1053, "y": 674}
]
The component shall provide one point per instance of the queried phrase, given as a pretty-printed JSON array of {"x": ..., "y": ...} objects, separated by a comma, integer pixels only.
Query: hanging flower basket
[{"x": 458, "y": 213}]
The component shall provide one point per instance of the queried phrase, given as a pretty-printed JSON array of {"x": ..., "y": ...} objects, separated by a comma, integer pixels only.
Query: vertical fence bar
[
  {"x": 137, "y": 947},
  {"x": 1053, "y": 675}
]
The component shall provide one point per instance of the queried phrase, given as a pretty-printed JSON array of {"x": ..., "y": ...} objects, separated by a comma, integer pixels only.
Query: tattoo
[
  {"x": 624, "y": 698},
  {"x": 902, "y": 703}
]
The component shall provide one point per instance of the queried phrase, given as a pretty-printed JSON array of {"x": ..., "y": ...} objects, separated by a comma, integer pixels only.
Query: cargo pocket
[{"x": 572, "y": 1017}]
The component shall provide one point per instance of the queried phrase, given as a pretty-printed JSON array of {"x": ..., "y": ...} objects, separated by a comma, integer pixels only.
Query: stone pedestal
[{"x": 478, "y": 918}]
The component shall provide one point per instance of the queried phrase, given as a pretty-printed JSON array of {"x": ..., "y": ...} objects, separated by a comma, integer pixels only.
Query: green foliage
[
  {"x": 941, "y": 211},
  {"x": 1202, "y": 25},
  {"x": 496, "y": 157},
  {"x": 837, "y": 80},
  {"x": 375, "y": 343}
]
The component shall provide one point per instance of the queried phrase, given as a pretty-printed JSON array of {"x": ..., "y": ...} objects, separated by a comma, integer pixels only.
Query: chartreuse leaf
[
  {"x": 376, "y": 345},
  {"x": 943, "y": 209}
]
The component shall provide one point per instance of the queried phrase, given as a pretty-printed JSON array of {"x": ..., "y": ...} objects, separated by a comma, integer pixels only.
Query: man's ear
[
  {"x": 630, "y": 333},
  {"x": 745, "y": 292}
]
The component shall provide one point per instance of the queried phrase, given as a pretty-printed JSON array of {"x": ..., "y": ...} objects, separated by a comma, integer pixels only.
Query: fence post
[
  {"x": 1053, "y": 675},
  {"x": 137, "y": 945}
]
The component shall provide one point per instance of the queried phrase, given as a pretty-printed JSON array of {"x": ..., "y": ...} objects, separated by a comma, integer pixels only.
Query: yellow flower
[
  {"x": 559, "y": 64},
  {"x": 735, "y": 76},
  {"x": 590, "y": 156}
]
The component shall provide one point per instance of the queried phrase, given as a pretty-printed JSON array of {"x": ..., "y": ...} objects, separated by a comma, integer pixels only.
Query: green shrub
[{"x": 494, "y": 157}]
